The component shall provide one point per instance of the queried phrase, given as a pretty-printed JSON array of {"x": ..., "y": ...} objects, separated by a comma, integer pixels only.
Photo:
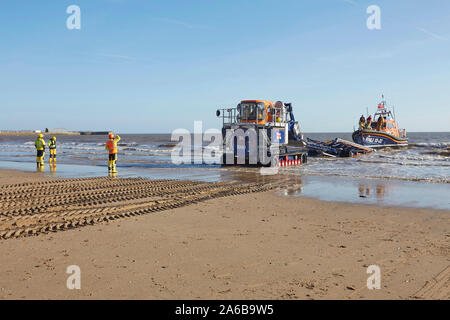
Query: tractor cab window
[{"x": 251, "y": 111}]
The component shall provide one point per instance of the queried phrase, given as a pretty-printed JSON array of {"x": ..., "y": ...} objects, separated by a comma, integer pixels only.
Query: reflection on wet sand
[
  {"x": 374, "y": 191},
  {"x": 365, "y": 190},
  {"x": 52, "y": 169},
  {"x": 294, "y": 184},
  {"x": 51, "y": 166},
  {"x": 253, "y": 175}
]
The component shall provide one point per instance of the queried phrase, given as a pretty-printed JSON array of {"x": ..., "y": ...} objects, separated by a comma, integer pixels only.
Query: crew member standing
[
  {"x": 111, "y": 146},
  {"x": 369, "y": 123},
  {"x": 52, "y": 148},
  {"x": 362, "y": 122},
  {"x": 380, "y": 123},
  {"x": 40, "y": 148}
]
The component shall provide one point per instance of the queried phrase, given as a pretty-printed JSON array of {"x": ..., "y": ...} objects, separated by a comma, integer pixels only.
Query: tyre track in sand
[
  {"x": 48, "y": 206},
  {"x": 437, "y": 288}
]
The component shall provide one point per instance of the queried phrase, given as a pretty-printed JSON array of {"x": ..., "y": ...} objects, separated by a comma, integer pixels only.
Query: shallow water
[
  {"x": 426, "y": 160},
  {"x": 342, "y": 189},
  {"x": 374, "y": 191}
]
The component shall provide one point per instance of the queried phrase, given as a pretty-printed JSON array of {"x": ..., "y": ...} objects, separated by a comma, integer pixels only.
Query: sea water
[{"x": 425, "y": 161}]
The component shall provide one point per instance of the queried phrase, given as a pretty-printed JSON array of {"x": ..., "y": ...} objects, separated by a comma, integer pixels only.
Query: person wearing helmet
[
  {"x": 40, "y": 148},
  {"x": 111, "y": 146},
  {"x": 52, "y": 148}
]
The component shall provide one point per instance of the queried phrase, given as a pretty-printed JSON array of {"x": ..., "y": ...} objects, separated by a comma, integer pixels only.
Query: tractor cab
[{"x": 261, "y": 112}]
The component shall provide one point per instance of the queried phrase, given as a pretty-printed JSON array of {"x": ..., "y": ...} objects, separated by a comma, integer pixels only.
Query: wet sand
[{"x": 138, "y": 239}]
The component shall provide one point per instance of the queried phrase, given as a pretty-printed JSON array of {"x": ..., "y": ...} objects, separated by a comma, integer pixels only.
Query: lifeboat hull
[{"x": 378, "y": 139}]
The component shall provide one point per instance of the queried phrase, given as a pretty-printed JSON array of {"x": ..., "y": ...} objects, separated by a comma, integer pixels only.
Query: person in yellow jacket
[
  {"x": 380, "y": 123},
  {"x": 111, "y": 146},
  {"x": 40, "y": 148},
  {"x": 52, "y": 148},
  {"x": 362, "y": 122}
]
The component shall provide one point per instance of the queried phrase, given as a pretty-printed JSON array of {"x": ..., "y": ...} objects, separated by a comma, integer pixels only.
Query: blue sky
[{"x": 141, "y": 66}]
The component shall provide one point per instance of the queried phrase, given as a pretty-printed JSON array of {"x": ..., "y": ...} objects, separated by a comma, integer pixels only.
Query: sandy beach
[{"x": 142, "y": 239}]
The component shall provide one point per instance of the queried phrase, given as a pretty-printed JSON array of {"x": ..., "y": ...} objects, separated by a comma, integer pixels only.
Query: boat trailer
[{"x": 335, "y": 148}]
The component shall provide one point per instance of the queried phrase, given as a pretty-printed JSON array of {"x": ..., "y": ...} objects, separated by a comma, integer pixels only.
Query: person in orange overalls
[{"x": 111, "y": 146}]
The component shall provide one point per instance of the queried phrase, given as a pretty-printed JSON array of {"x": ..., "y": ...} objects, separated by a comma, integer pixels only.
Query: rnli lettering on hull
[
  {"x": 373, "y": 140},
  {"x": 382, "y": 140},
  {"x": 377, "y": 140}
]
